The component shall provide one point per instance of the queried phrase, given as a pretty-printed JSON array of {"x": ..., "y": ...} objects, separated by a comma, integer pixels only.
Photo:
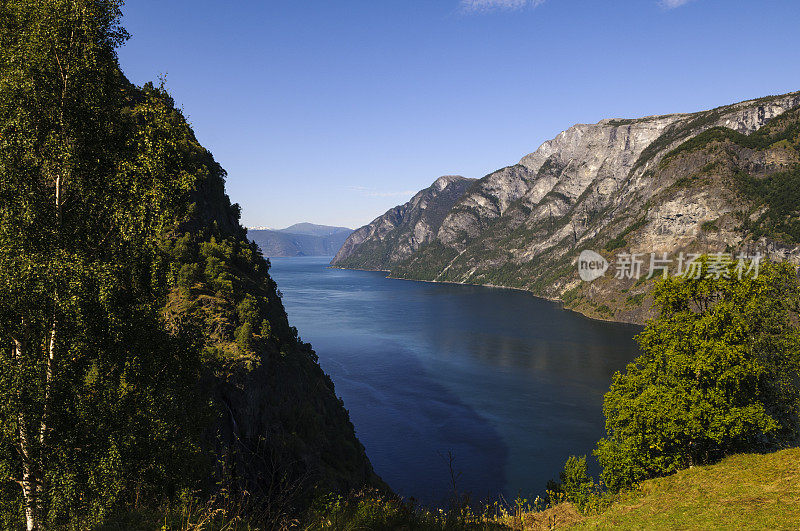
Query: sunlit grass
[{"x": 748, "y": 491}]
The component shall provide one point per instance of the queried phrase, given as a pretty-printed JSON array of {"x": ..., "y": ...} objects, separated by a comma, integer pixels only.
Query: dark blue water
[{"x": 510, "y": 384}]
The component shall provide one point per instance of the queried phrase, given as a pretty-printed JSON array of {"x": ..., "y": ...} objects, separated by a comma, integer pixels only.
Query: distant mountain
[
  {"x": 302, "y": 239},
  {"x": 309, "y": 229},
  {"x": 726, "y": 178}
]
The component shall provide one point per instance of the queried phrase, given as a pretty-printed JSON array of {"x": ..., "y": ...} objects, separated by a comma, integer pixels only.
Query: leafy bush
[
  {"x": 717, "y": 375},
  {"x": 575, "y": 481}
]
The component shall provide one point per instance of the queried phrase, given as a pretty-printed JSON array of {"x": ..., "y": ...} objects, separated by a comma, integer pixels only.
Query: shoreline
[{"x": 556, "y": 301}]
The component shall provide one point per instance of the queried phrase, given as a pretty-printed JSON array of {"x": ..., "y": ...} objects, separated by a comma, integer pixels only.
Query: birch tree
[{"x": 89, "y": 379}]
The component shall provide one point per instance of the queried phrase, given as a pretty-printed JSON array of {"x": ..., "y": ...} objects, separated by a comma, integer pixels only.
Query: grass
[{"x": 748, "y": 491}]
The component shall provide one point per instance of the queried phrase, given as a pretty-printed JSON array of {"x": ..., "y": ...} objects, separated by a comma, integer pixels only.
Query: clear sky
[{"x": 333, "y": 111}]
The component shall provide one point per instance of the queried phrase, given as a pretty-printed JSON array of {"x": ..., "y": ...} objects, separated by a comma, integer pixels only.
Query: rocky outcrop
[
  {"x": 614, "y": 183},
  {"x": 401, "y": 231}
]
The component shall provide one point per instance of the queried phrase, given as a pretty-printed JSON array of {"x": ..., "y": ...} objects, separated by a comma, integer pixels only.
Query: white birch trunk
[{"x": 28, "y": 483}]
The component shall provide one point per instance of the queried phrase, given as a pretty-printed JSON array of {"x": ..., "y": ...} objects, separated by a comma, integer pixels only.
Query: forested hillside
[{"x": 146, "y": 359}]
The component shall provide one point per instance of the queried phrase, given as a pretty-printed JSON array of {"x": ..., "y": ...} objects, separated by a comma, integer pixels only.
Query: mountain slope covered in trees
[{"x": 146, "y": 359}]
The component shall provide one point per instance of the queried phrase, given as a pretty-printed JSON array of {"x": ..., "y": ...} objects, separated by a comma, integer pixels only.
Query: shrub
[
  {"x": 717, "y": 375},
  {"x": 575, "y": 481}
]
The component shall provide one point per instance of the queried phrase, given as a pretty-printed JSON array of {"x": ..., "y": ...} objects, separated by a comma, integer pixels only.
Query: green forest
[{"x": 147, "y": 362}]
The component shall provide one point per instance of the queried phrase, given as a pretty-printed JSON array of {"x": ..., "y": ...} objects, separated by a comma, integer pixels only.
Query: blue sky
[{"x": 333, "y": 111}]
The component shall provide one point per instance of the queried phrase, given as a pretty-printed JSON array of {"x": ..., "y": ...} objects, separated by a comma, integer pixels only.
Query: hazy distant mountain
[
  {"x": 309, "y": 229},
  {"x": 301, "y": 239}
]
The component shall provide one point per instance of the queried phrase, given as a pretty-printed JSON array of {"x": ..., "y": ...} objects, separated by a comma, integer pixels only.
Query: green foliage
[
  {"x": 776, "y": 130},
  {"x": 138, "y": 326},
  {"x": 717, "y": 375},
  {"x": 676, "y": 132},
  {"x": 620, "y": 122},
  {"x": 373, "y": 510},
  {"x": 709, "y": 226},
  {"x": 783, "y": 130},
  {"x": 553, "y": 194},
  {"x": 605, "y": 310},
  {"x": 372, "y": 254},
  {"x": 620, "y": 241},
  {"x": 427, "y": 263},
  {"x": 362, "y": 511},
  {"x": 98, "y": 398},
  {"x": 576, "y": 484},
  {"x": 780, "y": 194},
  {"x": 637, "y": 299},
  {"x": 571, "y": 295},
  {"x": 720, "y": 135}
]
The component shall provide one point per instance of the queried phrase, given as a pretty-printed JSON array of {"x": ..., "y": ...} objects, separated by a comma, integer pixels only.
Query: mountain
[
  {"x": 148, "y": 362},
  {"x": 401, "y": 231},
  {"x": 302, "y": 239},
  {"x": 722, "y": 179},
  {"x": 311, "y": 229},
  {"x": 279, "y": 431}
]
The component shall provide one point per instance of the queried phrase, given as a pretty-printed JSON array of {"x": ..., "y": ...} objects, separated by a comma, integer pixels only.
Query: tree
[
  {"x": 576, "y": 486},
  {"x": 144, "y": 349},
  {"x": 92, "y": 385},
  {"x": 717, "y": 374}
]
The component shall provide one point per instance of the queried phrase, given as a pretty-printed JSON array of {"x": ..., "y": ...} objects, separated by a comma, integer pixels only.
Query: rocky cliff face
[
  {"x": 401, "y": 231},
  {"x": 607, "y": 186}
]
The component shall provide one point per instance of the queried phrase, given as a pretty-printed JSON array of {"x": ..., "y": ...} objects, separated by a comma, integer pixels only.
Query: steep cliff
[
  {"x": 611, "y": 186},
  {"x": 401, "y": 231},
  {"x": 278, "y": 432}
]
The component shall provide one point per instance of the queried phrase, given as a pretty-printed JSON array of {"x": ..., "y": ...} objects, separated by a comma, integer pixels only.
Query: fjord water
[{"x": 511, "y": 385}]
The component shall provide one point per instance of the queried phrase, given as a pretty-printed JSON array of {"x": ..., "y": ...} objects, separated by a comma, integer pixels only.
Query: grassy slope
[{"x": 748, "y": 491}]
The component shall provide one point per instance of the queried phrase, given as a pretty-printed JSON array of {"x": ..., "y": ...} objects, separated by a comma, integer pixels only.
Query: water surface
[{"x": 511, "y": 385}]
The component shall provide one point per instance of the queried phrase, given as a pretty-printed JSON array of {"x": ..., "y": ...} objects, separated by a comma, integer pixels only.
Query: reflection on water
[{"x": 509, "y": 383}]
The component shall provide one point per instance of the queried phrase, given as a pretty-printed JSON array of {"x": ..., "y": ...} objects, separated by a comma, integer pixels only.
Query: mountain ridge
[
  {"x": 413, "y": 223},
  {"x": 312, "y": 229},
  {"x": 523, "y": 225},
  {"x": 300, "y": 239}
]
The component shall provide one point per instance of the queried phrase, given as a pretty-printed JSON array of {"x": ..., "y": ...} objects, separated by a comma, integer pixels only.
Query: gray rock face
[
  {"x": 398, "y": 233},
  {"x": 486, "y": 201},
  {"x": 522, "y": 225}
]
